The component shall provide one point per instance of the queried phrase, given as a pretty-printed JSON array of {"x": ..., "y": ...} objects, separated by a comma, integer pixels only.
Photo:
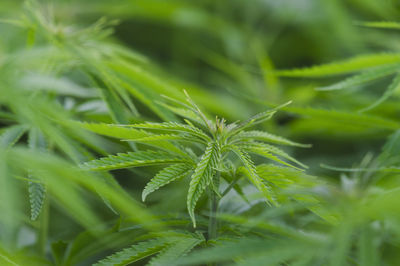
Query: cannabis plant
[
  {"x": 98, "y": 167},
  {"x": 199, "y": 148}
]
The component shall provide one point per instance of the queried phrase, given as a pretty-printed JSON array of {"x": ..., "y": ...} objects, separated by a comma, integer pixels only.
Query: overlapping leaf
[
  {"x": 267, "y": 137},
  {"x": 132, "y": 159},
  {"x": 202, "y": 176},
  {"x": 251, "y": 173},
  {"x": 166, "y": 176}
]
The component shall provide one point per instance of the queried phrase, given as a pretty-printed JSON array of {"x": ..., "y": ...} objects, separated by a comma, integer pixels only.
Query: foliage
[{"x": 106, "y": 160}]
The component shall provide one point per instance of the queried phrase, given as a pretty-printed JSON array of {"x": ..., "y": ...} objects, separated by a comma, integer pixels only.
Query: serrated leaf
[
  {"x": 267, "y": 137},
  {"x": 183, "y": 112},
  {"x": 364, "y": 77},
  {"x": 202, "y": 177},
  {"x": 122, "y": 132},
  {"x": 37, "y": 193},
  {"x": 354, "y": 64},
  {"x": 162, "y": 137},
  {"x": 256, "y": 119},
  {"x": 251, "y": 173},
  {"x": 114, "y": 131},
  {"x": 132, "y": 159},
  {"x": 175, "y": 251},
  {"x": 266, "y": 150},
  {"x": 134, "y": 253},
  {"x": 174, "y": 127},
  {"x": 37, "y": 190},
  {"x": 166, "y": 176}
]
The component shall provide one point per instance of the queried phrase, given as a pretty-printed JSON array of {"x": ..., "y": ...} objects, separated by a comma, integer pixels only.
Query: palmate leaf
[
  {"x": 366, "y": 76},
  {"x": 166, "y": 176},
  {"x": 133, "y": 159},
  {"x": 267, "y": 137},
  {"x": 251, "y": 173},
  {"x": 351, "y": 65},
  {"x": 135, "y": 252},
  {"x": 202, "y": 176}
]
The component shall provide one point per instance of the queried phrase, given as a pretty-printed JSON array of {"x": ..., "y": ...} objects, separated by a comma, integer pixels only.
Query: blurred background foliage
[{"x": 110, "y": 61}]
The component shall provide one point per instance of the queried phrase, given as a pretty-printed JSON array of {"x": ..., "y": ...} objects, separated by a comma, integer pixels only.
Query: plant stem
[
  {"x": 231, "y": 185},
  {"x": 212, "y": 225}
]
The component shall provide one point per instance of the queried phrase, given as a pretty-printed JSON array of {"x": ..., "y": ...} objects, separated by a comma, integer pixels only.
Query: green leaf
[
  {"x": 174, "y": 127},
  {"x": 380, "y": 24},
  {"x": 122, "y": 132},
  {"x": 134, "y": 253},
  {"x": 368, "y": 252},
  {"x": 153, "y": 85},
  {"x": 350, "y": 118},
  {"x": 132, "y": 159},
  {"x": 162, "y": 137},
  {"x": 115, "y": 105},
  {"x": 268, "y": 151},
  {"x": 114, "y": 131},
  {"x": 282, "y": 176},
  {"x": 183, "y": 112},
  {"x": 37, "y": 193},
  {"x": 37, "y": 190},
  {"x": 254, "y": 120},
  {"x": 366, "y": 76},
  {"x": 394, "y": 85},
  {"x": 11, "y": 135},
  {"x": 251, "y": 173},
  {"x": 202, "y": 177},
  {"x": 166, "y": 176},
  {"x": 351, "y": 65},
  {"x": 267, "y": 137},
  {"x": 58, "y": 250},
  {"x": 176, "y": 250}
]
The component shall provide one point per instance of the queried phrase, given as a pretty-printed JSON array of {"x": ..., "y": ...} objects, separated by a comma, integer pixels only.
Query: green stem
[
  {"x": 229, "y": 188},
  {"x": 212, "y": 225}
]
